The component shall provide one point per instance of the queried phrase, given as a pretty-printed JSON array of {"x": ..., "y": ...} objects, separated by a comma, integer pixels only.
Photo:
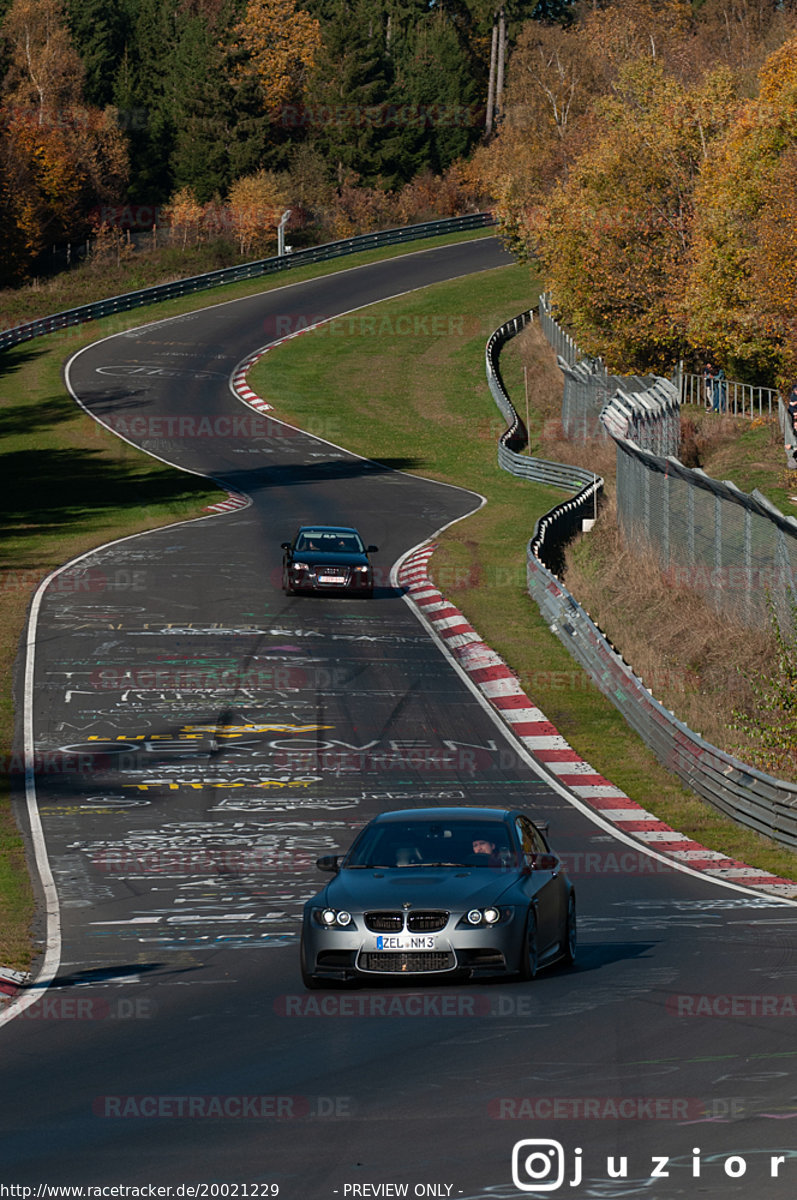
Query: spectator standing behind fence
[
  {"x": 791, "y": 428},
  {"x": 708, "y": 385},
  {"x": 720, "y": 391}
]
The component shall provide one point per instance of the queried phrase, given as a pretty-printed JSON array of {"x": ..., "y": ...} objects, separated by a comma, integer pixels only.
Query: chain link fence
[
  {"x": 558, "y": 338},
  {"x": 764, "y": 536},
  {"x": 644, "y": 408},
  {"x": 651, "y": 417},
  {"x": 735, "y": 549}
]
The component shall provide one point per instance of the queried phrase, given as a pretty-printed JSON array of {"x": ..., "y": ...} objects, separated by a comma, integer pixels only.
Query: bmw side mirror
[
  {"x": 372, "y": 549},
  {"x": 285, "y": 545},
  {"x": 544, "y": 862},
  {"x": 327, "y": 862}
]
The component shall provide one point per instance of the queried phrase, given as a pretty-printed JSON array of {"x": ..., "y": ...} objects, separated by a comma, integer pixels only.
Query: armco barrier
[
  {"x": 515, "y": 437},
  {"x": 265, "y": 266},
  {"x": 749, "y": 796}
]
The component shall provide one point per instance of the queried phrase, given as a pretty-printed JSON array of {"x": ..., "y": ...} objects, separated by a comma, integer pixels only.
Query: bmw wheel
[{"x": 529, "y": 955}]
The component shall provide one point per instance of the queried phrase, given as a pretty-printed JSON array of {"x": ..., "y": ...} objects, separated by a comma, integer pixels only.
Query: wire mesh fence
[
  {"x": 735, "y": 549},
  {"x": 662, "y": 498},
  {"x": 558, "y": 338},
  {"x": 651, "y": 417},
  {"x": 644, "y": 408}
]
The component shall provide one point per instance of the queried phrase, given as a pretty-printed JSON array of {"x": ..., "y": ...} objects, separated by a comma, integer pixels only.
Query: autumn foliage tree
[
  {"x": 742, "y": 282},
  {"x": 58, "y": 156},
  {"x": 255, "y": 205},
  {"x": 614, "y": 236},
  {"x": 183, "y": 214},
  {"x": 659, "y": 203},
  {"x": 280, "y": 42},
  {"x": 45, "y": 74}
]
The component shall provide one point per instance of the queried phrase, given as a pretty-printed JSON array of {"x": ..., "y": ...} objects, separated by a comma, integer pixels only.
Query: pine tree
[
  {"x": 348, "y": 90},
  {"x": 435, "y": 97},
  {"x": 99, "y": 30}
]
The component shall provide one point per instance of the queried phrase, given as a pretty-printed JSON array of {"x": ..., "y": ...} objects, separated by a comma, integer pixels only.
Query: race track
[{"x": 200, "y": 739}]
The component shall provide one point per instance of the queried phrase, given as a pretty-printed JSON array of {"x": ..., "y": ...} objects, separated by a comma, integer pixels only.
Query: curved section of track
[{"x": 200, "y": 739}]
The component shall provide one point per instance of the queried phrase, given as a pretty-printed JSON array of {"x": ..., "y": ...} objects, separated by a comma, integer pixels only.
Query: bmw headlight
[
  {"x": 332, "y": 918},
  {"x": 490, "y": 915}
]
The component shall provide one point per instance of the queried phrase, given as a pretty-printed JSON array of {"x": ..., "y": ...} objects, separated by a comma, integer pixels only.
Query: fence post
[
  {"x": 718, "y": 538},
  {"x": 690, "y": 524},
  {"x": 666, "y": 521},
  {"x": 748, "y": 564}
]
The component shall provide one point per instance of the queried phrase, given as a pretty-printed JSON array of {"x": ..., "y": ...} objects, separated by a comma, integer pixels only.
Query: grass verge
[
  {"x": 426, "y": 398},
  {"x": 748, "y": 452}
]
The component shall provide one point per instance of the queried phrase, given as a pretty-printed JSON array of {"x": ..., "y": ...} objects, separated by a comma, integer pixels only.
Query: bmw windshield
[{"x": 397, "y": 844}]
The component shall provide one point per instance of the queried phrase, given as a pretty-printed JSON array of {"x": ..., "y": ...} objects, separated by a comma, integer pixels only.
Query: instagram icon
[{"x": 538, "y": 1165}]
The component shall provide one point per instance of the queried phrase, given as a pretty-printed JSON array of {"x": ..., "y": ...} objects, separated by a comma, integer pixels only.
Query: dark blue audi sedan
[{"x": 327, "y": 558}]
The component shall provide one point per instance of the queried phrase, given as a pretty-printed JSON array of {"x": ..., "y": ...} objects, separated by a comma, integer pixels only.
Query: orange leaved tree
[{"x": 742, "y": 287}]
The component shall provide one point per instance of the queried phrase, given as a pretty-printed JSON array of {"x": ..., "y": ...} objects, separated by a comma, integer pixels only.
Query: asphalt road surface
[{"x": 200, "y": 739}]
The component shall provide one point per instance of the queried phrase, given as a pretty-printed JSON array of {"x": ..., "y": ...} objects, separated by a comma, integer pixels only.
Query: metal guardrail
[
  {"x": 264, "y": 266},
  {"x": 515, "y": 438},
  {"x": 745, "y": 794}
]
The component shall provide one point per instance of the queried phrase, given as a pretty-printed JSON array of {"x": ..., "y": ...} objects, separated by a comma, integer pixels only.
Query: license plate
[
  {"x": 331, "y": 579},
  {"x": 404, "y": 941}
]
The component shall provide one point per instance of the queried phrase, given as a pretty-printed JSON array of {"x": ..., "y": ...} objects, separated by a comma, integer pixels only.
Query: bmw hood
[{"x": 427, "y": 887}]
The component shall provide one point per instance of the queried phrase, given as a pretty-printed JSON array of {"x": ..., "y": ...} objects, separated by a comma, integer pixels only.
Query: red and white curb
[
  {"x": 242, "y": 388},
  {"x": 243, "y": 391},
  {"x": 234, "y": 500},
  {"x": 239, "y": 381},
  {"x": 11, "y": 982},
  {"x": 531, "y": 727}
]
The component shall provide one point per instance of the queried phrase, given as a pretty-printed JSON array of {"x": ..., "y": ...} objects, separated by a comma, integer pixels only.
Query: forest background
[{"x": 643, "y": 153}]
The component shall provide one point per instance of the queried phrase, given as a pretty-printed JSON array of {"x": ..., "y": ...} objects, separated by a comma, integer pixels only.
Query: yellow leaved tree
[
  {"x": 279, "y": 43},
  {"x": 742, "y": 286},
  {"x": 255, "y": 205}
]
